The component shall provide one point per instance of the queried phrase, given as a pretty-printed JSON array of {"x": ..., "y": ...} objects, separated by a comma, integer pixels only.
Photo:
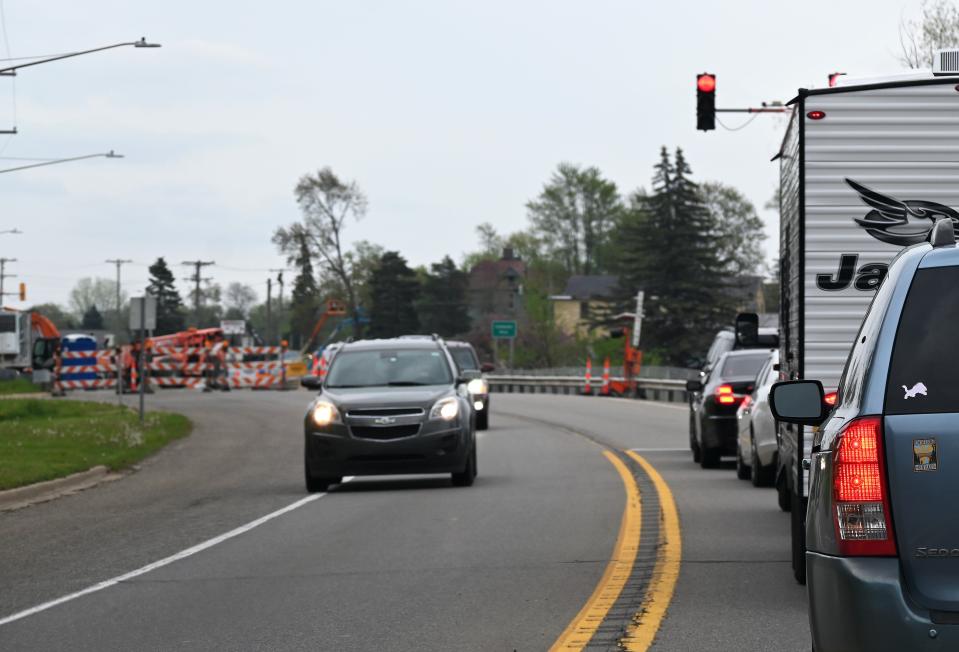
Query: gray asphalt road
[{"x": 390, "y": 564}]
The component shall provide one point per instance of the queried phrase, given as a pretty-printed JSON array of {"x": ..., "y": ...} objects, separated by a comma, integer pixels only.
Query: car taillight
[
  {"x": 830, "y": 398},
  {"x": 725, "y": 396},
  {"x": 863, "y": 518}
]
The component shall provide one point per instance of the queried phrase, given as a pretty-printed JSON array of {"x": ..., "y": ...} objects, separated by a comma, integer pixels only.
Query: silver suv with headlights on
[
  {"x": 469, "y": 365},
  {"x": 390, "y": 407}
]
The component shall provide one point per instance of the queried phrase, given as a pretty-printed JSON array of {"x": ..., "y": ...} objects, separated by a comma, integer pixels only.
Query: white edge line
[{"x": 183, "y": 554}]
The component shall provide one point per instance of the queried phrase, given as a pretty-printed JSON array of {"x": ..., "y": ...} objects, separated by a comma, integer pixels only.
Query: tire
[
  {"x": 743, "y": 472},
  {"x": 782, "y": 494},
  {"x": 762, "y": 476},
  {"x": 466, "y": 477},
  {"x": 709, "y": 458},
  {"x": 316, "y": 484},
  {"x": 693, "y": 444},
  {"x": 482, "y": 420},
  {"x": 798, "y": 528}
]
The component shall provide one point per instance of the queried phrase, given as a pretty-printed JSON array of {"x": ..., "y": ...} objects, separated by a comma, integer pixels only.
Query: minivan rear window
[{"x": 924, "y": 371}]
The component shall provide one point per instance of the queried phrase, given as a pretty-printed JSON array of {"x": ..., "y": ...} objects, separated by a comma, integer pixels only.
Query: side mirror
[
  {"x": 798, "y": 401},
  {"x": 694, "y": 386},
  {"x": 487, "y": 367},
  {"x": 747, "y": 329},
  {"x": 312, "y": 382}
]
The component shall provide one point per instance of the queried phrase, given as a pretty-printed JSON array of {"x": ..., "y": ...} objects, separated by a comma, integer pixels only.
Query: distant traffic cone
[
  {"x": 587, "y": 388},
  {"x": 323, "y": 365},
  {"x": 604, "y": 390}
]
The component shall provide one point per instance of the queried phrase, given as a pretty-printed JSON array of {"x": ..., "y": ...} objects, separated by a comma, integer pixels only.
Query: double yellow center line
[{"x": 642, "y": 631}]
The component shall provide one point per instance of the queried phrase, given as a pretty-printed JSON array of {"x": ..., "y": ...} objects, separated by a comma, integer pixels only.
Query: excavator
[{"x": 28, "y": 341}]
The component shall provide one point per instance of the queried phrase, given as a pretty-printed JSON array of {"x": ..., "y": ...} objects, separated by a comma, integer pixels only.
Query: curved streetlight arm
[
  {"x": 110, "y": 154},
  {"x": 142, "y": 43}
]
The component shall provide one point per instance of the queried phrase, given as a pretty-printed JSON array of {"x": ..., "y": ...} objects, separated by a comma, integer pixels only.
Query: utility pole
[
  {"x": 279, "y": 304},
  {"x": 198, "y": 265},
  {"x": 269, "y": 310},
  {"x": 4, "y": 275},
  {"x": 119, "y": 262}
]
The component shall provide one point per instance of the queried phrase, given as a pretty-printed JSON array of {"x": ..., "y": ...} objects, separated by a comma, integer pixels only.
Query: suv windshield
[
  {"x": 464, "y": 358},
  {"x": 743, "y": 366},
  {"x": 389, "y": 367},
  {"x": 922, "y": 375}
]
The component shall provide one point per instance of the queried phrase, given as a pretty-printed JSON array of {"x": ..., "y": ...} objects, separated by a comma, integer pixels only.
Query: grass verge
[
  {"x": 19, "y": 386},
  {"x": 44, "y": 440}
]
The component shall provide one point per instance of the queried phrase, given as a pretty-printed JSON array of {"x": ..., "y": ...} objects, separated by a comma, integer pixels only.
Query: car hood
[{"x": 367, "y": 397}]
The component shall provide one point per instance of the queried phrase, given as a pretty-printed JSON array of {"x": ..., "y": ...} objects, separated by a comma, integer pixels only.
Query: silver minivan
[{"x": 882, "y": 525}]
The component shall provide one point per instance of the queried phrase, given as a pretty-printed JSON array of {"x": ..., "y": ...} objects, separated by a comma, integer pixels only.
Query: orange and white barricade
[
  {"x": 604, "y": 388},
  {"x": 588, "y": 380},
  {"x": 103, "y": 368}
]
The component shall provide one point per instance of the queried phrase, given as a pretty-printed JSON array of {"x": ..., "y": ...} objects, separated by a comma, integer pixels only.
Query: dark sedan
[
  {"x": 714, "y": 401},
  {"x": 390, "y": 407}
]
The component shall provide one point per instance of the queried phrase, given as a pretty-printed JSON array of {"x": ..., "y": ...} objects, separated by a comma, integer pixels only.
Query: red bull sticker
[{"x": 925, "y": 455}]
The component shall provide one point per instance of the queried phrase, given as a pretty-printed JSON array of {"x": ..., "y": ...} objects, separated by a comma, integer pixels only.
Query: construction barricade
[{"x": 217, "y": 366}]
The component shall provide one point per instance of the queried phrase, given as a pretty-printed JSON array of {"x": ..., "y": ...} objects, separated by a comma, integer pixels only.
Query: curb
[{"x": 41, "y": 492}]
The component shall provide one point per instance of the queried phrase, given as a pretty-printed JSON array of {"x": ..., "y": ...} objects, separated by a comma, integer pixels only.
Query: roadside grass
[
  {"x": 43, "y": 440},
  {"x": 19, "y": 386}
]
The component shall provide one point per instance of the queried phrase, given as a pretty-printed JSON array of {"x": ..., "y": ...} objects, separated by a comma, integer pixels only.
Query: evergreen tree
[
  {"x": 92, "y": 319},
  {"x": 443, "y": 306},
  {"x": 394, "y": 289},
  {"x": 305, "y": 299},
  {"x": 169, "y": 305},
  {"x": 668, "y": 249}
]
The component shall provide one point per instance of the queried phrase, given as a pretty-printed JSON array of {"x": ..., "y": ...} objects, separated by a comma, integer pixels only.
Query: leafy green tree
[
  {"x": 669, "y": 250},
  {"x": 395, "y": 291},
  {"x": 739, "y": 231},
  {"x": 170, "y": 313},
  {"x": 92, "y": 319},
  {"x": 305, "y": 299},
  {"x": 443, "y": 307},
  {"x": 574, "y": 215}
]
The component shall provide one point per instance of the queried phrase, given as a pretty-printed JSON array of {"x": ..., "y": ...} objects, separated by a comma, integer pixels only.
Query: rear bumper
[
  {"x": 721, "y": 432},
  {"x": 336, "y": 455},
  {"x": 857, "y": 603}
]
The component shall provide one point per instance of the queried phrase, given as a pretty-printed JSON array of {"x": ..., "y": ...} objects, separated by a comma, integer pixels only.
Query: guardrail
[{"x": 657, "y": 389}]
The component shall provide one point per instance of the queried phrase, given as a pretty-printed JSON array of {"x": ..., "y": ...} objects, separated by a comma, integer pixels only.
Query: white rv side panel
[{"x": 902, "y": 146}]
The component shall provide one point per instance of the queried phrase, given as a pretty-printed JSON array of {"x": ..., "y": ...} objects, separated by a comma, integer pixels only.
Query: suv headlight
[
  {"x": 446, "y": 409},
  {"x": 478, "y": 386},
  {"x": 325, "y": 413}
]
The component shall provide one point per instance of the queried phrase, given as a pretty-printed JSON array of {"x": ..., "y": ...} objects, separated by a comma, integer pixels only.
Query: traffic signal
[
  {"x": 706, "y": 102},
  {"x": 23, "y": 292}
]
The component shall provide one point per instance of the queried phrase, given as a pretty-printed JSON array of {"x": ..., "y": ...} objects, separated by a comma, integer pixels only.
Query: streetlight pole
[
  {"x": 12, "y": 232},
  {"x": 110, "y": 154},
  {"x": 11, "y": 71}
]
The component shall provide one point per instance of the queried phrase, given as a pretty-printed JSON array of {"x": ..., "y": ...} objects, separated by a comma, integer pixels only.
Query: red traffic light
[{"x": 706, "y": 83}]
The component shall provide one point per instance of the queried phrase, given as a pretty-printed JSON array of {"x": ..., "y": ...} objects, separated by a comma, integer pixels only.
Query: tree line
[{"x": 683, "y": 242}]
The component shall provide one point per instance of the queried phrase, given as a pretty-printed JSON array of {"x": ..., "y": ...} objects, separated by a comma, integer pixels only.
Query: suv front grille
[
  {"x": 385, "y": 432},
  {"x": 386, "y": 412}
]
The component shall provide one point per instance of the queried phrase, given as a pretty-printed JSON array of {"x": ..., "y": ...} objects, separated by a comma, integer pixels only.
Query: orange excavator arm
[{"x": 44, "y": 326}]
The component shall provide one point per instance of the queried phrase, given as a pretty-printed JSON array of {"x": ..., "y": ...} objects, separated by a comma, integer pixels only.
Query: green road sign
[{"x": 504, "y": 330}]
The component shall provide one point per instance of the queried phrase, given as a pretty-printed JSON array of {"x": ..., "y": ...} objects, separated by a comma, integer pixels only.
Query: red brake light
[
  {"x": 863, "y": 517},
  {"x": 706, "y": 83},
  {"x": 830, "y": 398},
  {"x": 724, "y": 395},
  {"x": 816, "y": 115}
]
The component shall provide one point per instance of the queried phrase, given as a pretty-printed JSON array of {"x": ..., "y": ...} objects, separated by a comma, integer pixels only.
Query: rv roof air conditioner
[{"x": 946, "y": 62}]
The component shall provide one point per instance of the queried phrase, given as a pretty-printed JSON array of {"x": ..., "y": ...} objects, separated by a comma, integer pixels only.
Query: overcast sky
[{"x": 446, "y": 113}]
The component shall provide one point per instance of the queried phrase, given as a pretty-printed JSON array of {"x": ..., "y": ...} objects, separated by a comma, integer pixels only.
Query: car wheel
[
  {"x": 467, "y": 475},
  {"x": 743, "y": 472},
  {"x": 693, "y": 444},
  {"x": 482, "y": 420},
  {"x": 798, "y": 538},
  {"x": 782, "y": 494},
  {"x": 763, "y": 476},
  {"x": 709, "y": 458},
  {"x": 316, "y": 484}
]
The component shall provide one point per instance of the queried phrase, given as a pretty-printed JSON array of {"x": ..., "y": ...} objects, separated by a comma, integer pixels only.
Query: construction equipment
[
  {"x": 28, "y": 341},
  {"x": 334, "y": 308}
]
